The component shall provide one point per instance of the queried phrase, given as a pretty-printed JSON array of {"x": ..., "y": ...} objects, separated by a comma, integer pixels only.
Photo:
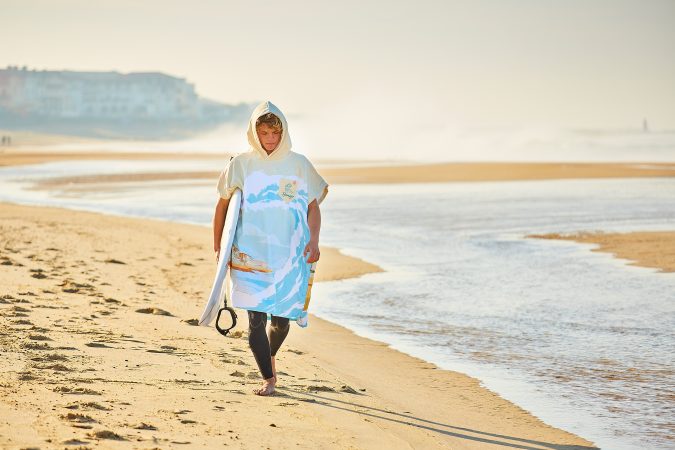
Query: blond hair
[{"x": 270, "y": 120}]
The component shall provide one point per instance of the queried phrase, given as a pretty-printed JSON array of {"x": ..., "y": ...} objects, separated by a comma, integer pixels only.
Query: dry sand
[
  {"x": 443, "y": 172},
  {"x": 99, "y": 349},
  {"x": 655, "y": 249}
]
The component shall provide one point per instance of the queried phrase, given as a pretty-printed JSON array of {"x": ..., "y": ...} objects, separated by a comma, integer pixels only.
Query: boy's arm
[
  {"x": 219, "y": 223},
  {"x": 314, "y": 223}
]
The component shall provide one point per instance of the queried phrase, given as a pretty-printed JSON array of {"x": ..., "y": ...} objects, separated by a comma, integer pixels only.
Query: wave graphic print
[{"x": 274, "y": 230}]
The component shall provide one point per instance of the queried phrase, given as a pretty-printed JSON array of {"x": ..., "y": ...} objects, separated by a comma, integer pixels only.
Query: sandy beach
[
  {"x": 100, "y": 349},
  {"x": 655, "y": 249}
]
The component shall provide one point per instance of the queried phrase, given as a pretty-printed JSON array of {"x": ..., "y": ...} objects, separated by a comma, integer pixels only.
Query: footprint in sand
[
  {"x": 76, "y": 417},
  {"x": 38, "y": 273},
  {"x": 319, "y": 388},
  {"x": 39, "y": 337},
  {"x": 65, "y": 347},
  {"x": 36, "y": 346},
  {"x": 51, "y": 357},
  {"x": 164, "y": 349},
  {"x": 106, "y": 434},
  {"x": 72, "y": 287},
  {"x": 28, "y": 293},
  {"x": 18, "y": 311},
  {"x": 156, "y": 311},
  {"x": 180, "y": 412},
  {"x": 51, "y": 307},
  {"x": 74, "y": 442},
  {"x": 97, "y": 345},
  {"x": 75, "y": 391},
  {"x": 22, "y": 322},
  {"x": 57, "y": 368},
  {"x": 27, "y": 376},
  {"x": 87, "y": 405},
  {"x": 144, "y": 426},
  {"x": 114, "y": 261},
  {"x": 348, "y": 389}
]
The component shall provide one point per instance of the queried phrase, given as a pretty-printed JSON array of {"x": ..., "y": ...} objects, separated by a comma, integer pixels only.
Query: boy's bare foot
[{"x": 267, "y": 387}]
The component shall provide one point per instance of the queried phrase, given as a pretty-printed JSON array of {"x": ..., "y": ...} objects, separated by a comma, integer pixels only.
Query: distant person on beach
[{"x": 277, "y": 236}]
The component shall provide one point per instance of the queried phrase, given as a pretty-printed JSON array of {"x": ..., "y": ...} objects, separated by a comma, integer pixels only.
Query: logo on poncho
[{"x": 288, "y": 189}]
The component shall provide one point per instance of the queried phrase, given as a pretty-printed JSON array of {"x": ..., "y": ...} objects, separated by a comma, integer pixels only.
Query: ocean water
[
  {"x": 431, "y": 141},
  {"x": 579, "y": 338}
]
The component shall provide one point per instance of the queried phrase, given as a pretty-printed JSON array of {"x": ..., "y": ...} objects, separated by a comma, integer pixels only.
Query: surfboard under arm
[{"x": 213, "y": 303}]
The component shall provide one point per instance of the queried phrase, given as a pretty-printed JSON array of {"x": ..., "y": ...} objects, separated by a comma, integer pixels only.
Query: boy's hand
[
  {"x": 313, "y": 249},
  {"x": 217, "y": 250}
]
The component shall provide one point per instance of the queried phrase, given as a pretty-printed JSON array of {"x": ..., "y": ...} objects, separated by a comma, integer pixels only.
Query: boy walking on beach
[{"x": 276, "y": 241}]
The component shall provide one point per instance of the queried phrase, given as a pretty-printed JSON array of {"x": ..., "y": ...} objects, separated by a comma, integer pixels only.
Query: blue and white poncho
[{"x": 268, "y": 271}]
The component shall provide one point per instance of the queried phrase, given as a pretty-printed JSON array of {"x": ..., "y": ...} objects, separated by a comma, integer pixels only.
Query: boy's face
[{"x": 269, "y": 137}]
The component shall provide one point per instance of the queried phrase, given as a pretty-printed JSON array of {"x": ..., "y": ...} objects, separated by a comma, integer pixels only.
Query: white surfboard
[{"x": 231, "y": 219}]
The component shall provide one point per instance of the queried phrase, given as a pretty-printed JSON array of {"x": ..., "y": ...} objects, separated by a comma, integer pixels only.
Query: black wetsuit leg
[
  {"x": 260, "y": 343},
  {"x": 278, "y": 332}
]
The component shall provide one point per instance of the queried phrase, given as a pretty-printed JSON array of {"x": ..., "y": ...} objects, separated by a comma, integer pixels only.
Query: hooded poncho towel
[{"x": 268, "y": 271}]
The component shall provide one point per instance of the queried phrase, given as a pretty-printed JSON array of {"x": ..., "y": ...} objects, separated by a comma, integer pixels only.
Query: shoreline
[
  {"x": 650, "y": 249},
  {"x": 328, "y": 374}
]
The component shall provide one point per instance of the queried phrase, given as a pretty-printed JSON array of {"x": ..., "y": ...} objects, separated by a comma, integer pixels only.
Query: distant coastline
[{"x": 110, "y": 104}]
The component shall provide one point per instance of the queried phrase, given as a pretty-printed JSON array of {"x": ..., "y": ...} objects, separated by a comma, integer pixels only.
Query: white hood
[{"x": 256, "y": 147}]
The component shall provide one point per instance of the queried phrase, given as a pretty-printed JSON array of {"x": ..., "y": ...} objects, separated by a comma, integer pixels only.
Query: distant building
[{"x": 68, "y": 94}]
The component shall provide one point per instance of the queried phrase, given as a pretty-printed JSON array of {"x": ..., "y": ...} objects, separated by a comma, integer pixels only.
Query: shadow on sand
[{"x": 437, "y": 427}]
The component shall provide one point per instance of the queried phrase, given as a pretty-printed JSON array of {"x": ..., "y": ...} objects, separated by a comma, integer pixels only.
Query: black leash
[{"x": 233, "y": 316}]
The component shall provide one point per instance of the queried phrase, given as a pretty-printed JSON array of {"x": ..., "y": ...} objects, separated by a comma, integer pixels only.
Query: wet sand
[
  {"x": 14, "y": 157},
  {"x": 654, "y": 249},
  {"x": 100, "y": 349},
  {"x": 351, "y": 173}
]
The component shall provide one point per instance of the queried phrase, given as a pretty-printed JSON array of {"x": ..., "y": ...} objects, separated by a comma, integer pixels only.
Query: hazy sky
[{"x": 586, "y": 63}]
